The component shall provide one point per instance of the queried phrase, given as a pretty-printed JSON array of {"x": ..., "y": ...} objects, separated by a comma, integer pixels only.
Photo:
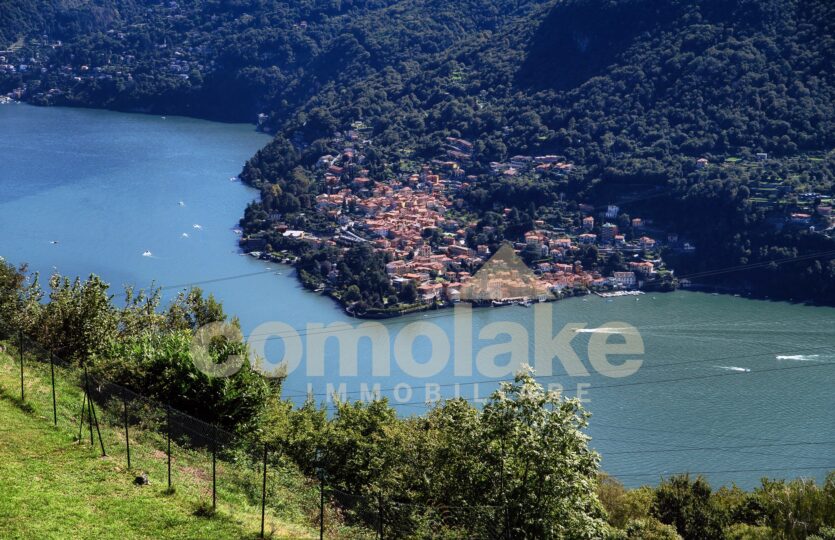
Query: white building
[{"x": 625, "y": 279}]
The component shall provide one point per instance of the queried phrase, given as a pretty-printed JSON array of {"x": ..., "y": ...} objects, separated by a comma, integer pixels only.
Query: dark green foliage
[
  {"x": 687, "y": 505},
  {"x": 409, "y": 293},
  {"x": 139, "y": 345},
  {"x": 359, "y": 274},
  {"x": 19, "y": 297},
  {"x": 777, "y": 509},
  {"x": 525, "y": 448},
  {"x": 160, "y": 365},
  {"x": 630, "y": 91}
]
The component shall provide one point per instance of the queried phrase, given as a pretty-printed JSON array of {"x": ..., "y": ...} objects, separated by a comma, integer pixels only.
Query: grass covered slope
[{"x": 54, "y": 487}]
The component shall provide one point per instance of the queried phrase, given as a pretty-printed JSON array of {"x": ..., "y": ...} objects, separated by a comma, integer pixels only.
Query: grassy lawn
[{"x": 53, "y": 486}]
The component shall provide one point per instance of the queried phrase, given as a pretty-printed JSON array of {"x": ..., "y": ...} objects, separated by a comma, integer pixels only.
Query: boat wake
[
  {"x": 801, "y": 357},
  {"x": 604, "y": 331},
  {"x": 734, "y": 368}
]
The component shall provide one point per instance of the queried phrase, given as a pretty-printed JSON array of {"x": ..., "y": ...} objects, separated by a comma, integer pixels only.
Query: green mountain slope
[{"x": 632, "y": 92}]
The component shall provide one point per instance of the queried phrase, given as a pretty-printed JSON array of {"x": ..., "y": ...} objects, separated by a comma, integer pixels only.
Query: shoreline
[
  {"x": 695, "y": 287},
  {"x": 717, "y": 290},
  {"x": 145, "y": 111}
]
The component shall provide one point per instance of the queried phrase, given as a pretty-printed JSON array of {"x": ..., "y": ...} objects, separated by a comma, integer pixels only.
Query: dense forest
[
  {"x": 521, "y": 463},
  {"x": 632, "y": 92}
]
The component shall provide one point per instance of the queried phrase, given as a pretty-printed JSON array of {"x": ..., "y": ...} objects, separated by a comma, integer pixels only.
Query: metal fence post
[
  {"x": 214, "y": 468},
  {"x": 54, "y": 400},
  {"x": 127, "y": 430},
  {"x": 98, "y": 430},
  {"x": 168, "y": 429},
  {"x": 264, "y": 492},
  {"x": 90, "y": 417},
  {"x": 322, "y": 505},
  {"x": 93, "y": 417},
  {"x": 89, "y": 404},
  {"x": 20, "y": 336},
  {"x": 81, "y": 424}
]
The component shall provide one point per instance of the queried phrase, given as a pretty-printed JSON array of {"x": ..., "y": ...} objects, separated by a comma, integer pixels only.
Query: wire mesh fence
[
  {"x": 448, "y": 522},
  {"x": 392, "y": 519},
  {"x": 343, "y": 507},
  {"x": 185, "y": 450}
]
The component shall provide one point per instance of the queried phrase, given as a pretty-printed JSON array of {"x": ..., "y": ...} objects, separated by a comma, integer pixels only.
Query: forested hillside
[
  {"x": 634, "y": 92},
  {"x": 631, "y": 92},
  {"x": 60, "y": 19},
  {"x": 244, "y": 57}
]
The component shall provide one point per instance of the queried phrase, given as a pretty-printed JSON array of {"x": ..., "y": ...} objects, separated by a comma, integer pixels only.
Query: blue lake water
[{"x": 731, "y": 387}]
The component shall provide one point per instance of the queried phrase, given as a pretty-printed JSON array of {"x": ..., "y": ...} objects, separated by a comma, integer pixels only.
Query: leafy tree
[
  {"x": 686, "y": 504},
  {"x": 622, "y": 505},
  {"x": 191, "y": 310},
  {"x": 743, "y": 531},
  {"x": 20, "y": 298},
  {"x": 409, "y": 293},
  {"x": 650, "y": 529},
  {"x": 352, "y": 294},
  {"x": 536, "y": 437},
  {"x": 79, "y": 321},
  {"x": 798, "y": 508}
]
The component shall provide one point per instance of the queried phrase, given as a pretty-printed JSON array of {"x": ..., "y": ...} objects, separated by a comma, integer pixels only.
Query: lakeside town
[{"x": 419, "y": 221}]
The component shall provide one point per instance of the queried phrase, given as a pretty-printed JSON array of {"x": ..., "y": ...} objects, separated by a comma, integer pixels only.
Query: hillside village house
[
  {"x": 646, "y": 243},
  {"x": 645, "y": 268},
  {"x": 608, "y": 232},
  {"x": 588, "y": 223},
  {"x": 624, "y": 279}
]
